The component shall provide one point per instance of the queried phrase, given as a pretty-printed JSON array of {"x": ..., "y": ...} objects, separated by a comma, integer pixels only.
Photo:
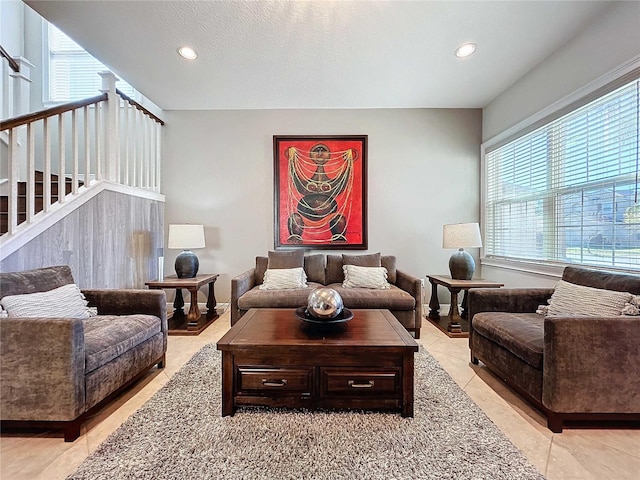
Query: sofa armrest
[
  {"x": 42, "y": 374},
  {"x": 128, "y": 302},
  {"x": 240, "y": 285},
  {"x": 591, "y": 364},
  {"x": 515, "y": 300},
  {"x": 413, "y": 286}
]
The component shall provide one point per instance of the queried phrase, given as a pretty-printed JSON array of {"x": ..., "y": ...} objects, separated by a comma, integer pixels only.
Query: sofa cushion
[
  {"x": 284, "y": 278},
  {"x": 389, "y": 262},
  {"x": 314, "y": 266},
  {"x": 368, "y": 260},
  {"x": 108, "y": 336},
  {"x": 600, "y": 279},
  {"x": 520, "y": 333},
  {"x": 334, "y": 273},
  {"x": 365, "y": 277},
  {"x": 257, "y": 298},
  {"x": 288, "y": 259},
  {"x": 38, "y": 280},
  {"x": 570, "y": 299},
  {"x": 66, "y": 301},
  {"x": 392, "y": 298}
]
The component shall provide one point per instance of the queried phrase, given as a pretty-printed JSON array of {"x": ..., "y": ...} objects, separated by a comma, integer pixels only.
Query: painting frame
[{"x": 320, "y": 192}]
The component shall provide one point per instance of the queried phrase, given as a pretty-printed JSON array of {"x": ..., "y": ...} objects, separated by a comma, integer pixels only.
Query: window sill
[{"x": 553, "y": 270}]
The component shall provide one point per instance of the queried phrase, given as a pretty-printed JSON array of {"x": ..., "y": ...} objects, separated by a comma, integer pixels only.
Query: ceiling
[{"x": 320, "y": 54}]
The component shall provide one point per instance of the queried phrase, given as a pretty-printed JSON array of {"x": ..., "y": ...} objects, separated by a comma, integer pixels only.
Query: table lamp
[
  {"x": 460, "y": 235},
  {"x": 186, "y": 237}
]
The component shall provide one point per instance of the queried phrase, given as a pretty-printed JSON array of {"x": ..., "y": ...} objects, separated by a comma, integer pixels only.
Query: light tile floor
[{"x": 576, "y": 454}]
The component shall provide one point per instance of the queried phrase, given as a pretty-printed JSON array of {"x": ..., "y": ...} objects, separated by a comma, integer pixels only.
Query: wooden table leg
[
  {"x": 434, "y": 304},
  {"x": 463, "y": 309},
  {"x": 227, "y": 384},
  {"x": 407, "y": 385},
  {"x": 211, "y": 301},
  {"x": 178, "y": 303},
  {"x": 194, "y": 311},
  {"x": 454, "y": 315}
]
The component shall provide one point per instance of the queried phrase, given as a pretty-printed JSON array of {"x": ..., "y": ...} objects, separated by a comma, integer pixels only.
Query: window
[
  {"x": 567, "y": 192},
  {"x": 73, "y": 72}
]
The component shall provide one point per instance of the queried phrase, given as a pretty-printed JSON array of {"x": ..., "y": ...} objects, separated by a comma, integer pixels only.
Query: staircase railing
[{"x": 69, "y": 149}]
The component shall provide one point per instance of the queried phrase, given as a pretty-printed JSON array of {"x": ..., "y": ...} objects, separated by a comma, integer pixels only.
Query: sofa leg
[
  {"x": 416, "y": 333},
  {"x": 162, "y": 362},
  {"x": 474, "y": 360},
  {"x": 72, "y": 429},
  {"x": 554, "y": 422}
]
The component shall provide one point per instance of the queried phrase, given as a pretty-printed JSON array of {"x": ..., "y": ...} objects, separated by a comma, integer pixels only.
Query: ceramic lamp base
[
  {"x": 187, "y": 264},
  {"x": 462, "y": 265}
]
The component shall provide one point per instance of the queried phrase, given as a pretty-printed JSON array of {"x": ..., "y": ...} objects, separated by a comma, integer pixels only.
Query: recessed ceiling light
[
  {"x": 465, "y": 50},
  {"x": 188, "y": 53}
]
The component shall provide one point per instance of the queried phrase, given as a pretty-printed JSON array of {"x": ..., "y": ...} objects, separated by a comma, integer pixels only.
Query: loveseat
[
  {"x": 577, "y": 358},
  {"x": 402, "y": 297},
  {"x": 54, "y": 369}
]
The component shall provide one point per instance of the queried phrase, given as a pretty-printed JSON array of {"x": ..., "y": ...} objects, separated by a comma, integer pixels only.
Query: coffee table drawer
[
  {"x": 349, "y": 381},
  {"x": 274, "y": 379}
]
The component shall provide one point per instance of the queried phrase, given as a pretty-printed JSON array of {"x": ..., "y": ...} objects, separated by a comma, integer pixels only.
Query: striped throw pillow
[
  {"x": 284, "y": 278},
  {"x": 571, "y": 299},
  {"x": 64, "y": 302},
  {"x": 365, "y": 277}
]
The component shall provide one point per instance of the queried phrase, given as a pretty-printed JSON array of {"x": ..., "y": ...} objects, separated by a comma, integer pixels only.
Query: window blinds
[
  {"x": 567, "y": 192},
  {"x": 73, "y": 72}
]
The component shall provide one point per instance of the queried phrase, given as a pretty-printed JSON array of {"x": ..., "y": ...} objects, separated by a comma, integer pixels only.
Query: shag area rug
[{"x": 179, "y": 434}]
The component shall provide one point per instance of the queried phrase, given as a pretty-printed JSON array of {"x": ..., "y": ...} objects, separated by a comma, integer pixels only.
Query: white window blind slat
[{"x": 568, "y": 191}]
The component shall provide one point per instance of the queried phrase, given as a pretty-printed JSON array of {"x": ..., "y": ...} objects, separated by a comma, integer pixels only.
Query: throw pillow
[
  {"x": 571, "y": 299},
  {"x": 365, "y": 277},
  {"x": 284, "y": 278},
  {"x": 66, "y": 301},
  {"x": 369, "y": 260},
  {"x": 632, "y": 307},
  {"x": 289, "y": 259}
]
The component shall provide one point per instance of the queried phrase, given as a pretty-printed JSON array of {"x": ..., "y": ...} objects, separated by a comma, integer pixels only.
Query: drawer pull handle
[
  {"x": 274, "y": 383},
  {"x": 353, "y": 384}
]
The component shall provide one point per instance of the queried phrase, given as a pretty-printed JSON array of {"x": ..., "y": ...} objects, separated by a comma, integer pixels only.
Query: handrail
[
  {"x": 138, "y": 106},
  {"x": 50, "y": 112},
  {"x": 12, "y": 63}
]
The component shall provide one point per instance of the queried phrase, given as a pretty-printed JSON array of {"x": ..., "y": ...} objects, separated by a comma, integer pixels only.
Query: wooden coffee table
[{"x": 271, "y": 358}]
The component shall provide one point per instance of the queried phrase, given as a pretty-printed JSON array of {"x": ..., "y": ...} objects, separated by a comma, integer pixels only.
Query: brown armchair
[
  {"x": 53, "y": 370},
  {"x": 571, "y": 367}
]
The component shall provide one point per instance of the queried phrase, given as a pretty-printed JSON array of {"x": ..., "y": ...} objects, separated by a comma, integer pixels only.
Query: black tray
[{"x": 344, "y": 316}]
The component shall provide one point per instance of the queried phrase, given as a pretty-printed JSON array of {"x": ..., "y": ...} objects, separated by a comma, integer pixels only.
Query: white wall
[
  {"x": 423, "y": 170},
  {"x": 611, "y": 42}
]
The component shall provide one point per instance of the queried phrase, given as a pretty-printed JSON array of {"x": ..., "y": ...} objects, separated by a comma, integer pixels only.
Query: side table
[
  {"x": 194, "y": 322},
  {"x": 456, "y": 323}
]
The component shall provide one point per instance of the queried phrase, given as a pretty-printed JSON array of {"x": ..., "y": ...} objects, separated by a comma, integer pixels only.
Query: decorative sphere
[{"x": 324, "y": 303}]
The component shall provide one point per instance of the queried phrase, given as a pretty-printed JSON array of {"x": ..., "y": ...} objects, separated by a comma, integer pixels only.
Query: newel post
[{"x": 110, "y": 118}]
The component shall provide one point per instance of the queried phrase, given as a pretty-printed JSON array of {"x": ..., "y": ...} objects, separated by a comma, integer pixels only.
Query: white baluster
[
  {"x": 12, "y": 220},
  {"x": 96, "y": 136},
  {"x": 31, "y": 173},
  {"x": 74, "y": 150},
  {"x": 46, "y": 187},
  {"x": 61, "y": 160},
  {"x": 87, "y": 148}
]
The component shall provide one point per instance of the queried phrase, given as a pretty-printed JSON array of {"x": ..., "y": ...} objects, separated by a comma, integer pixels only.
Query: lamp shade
[
  {"x": 186, "y": 236},
  {"x": 460, "y": 235}
]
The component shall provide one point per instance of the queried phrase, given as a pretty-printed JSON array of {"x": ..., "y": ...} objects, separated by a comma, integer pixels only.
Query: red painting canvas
[{"x": 320, "y": 191}]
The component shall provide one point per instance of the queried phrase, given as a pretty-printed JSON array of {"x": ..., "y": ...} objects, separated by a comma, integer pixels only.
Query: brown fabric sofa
[
  {"x": 53, "y": 370},
  {"x": 571, "y": 367},
  {"x": 403, "y": 299}
]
